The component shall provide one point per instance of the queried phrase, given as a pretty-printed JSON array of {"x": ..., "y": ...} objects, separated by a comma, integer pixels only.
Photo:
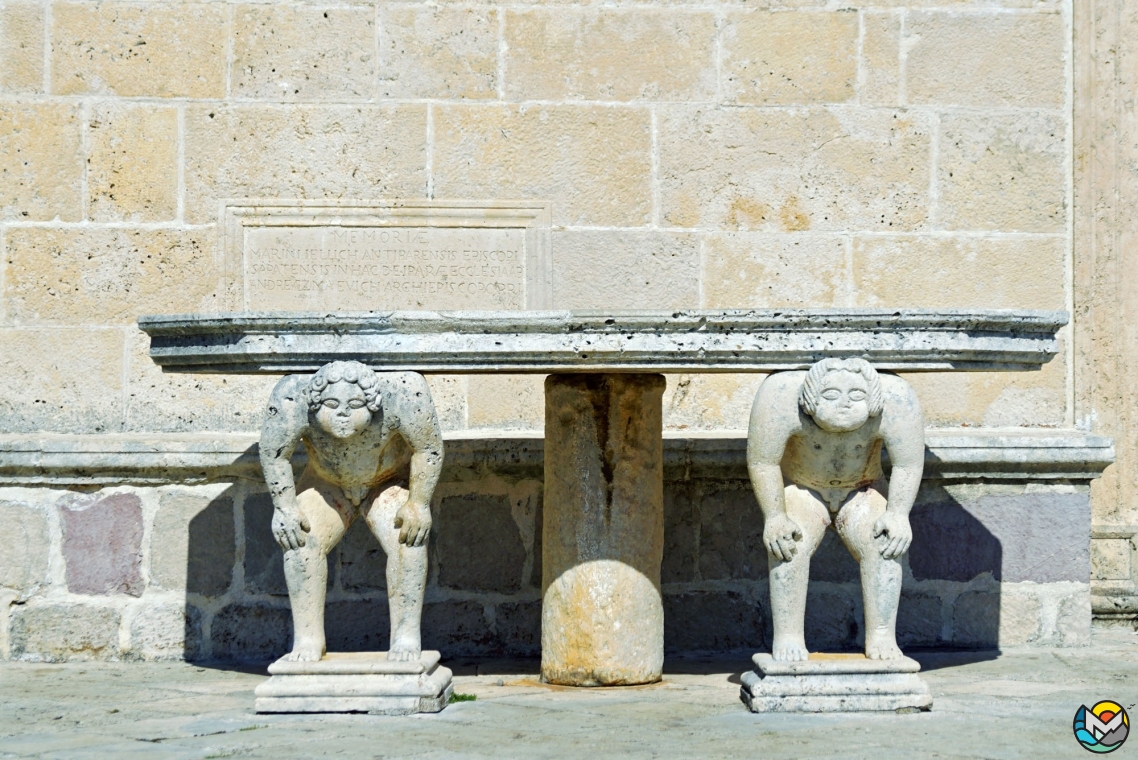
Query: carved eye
[
  {"x": 356, "y": 403},
  {"x": 331, "y": 403},
  {"x": 831, "y": 394},
  {"x": 856, "y": 395}
]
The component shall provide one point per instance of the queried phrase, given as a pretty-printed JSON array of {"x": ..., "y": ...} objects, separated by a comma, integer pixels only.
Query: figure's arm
[
  {"x": 419, "y": 426},
  {"x": 774, "y": 419},
  {"x": 286, "y": 420},
  {"x": 903, "y": 431}
]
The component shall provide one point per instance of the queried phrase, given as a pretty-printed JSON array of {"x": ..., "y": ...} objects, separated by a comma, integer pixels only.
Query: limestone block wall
[{"x": 192, "y": 572}]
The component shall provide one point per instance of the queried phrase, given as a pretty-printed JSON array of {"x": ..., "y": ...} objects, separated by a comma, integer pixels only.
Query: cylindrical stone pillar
[{"x": 602, "y": 617}]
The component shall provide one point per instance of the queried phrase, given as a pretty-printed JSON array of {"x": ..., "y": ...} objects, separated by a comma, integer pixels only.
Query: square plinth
[
  {"x": 356, "y": 682},
  {"x": 835, "y": 683}
]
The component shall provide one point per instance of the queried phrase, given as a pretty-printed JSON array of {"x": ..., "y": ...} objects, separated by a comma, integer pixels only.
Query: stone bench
[{"x": 602, "y": 617}]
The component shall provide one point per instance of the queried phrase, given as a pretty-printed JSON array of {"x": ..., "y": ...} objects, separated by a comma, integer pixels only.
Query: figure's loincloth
[{"x": 835, "y": 496}]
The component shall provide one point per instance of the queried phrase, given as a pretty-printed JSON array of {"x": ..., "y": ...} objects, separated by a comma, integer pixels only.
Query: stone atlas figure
[
  {"x": 814, "y": 457},
  {"x": 375, "y": 451}
]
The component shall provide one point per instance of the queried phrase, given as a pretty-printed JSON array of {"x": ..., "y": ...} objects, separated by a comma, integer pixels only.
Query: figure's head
[
  {"x": 841, "y": 394},
  {"x": 342, "y": 396}
]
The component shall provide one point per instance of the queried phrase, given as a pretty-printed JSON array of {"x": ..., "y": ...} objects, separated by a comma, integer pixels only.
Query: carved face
[
  {"x": 843, "y": 404},
  {"x": 343, "y": 410}
]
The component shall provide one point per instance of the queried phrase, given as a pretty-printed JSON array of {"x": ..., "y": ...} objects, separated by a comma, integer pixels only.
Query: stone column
[{"x": 602, "y": 617}]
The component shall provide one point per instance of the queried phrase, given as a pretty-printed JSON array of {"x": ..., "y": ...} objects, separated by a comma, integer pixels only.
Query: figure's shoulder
[
  {"x": 292, "y": 389},
  {"x": 897, "y": 387},
  {"x": 402, "y": 382},
  {"x": 779, "y": 385}
]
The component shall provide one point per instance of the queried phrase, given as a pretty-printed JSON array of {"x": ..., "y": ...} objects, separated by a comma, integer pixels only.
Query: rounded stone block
[{"x": 602, "y": 620}]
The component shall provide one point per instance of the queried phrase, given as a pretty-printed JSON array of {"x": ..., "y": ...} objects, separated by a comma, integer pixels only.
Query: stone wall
[{"x": 193, "y": 572}]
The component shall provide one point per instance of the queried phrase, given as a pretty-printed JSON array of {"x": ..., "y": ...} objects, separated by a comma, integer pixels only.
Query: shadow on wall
[{"x": 483, "y": 596}]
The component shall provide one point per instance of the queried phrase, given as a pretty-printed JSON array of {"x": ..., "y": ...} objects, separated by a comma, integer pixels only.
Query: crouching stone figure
[
  {"x": 814, "y": 457},
  {"x": 374, "y": 451}
]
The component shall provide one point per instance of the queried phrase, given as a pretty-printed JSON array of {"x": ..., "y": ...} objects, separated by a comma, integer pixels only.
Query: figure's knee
[{"x": 856, "y": 520}]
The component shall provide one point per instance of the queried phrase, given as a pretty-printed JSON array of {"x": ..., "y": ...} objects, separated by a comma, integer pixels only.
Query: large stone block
[
  {"x": 41, "y": 162},
  {"x": 251, "y": 632},
  {"x": 24, "y": 552},
  {"x": 438, "y": 52},
  {"x": 780, "y": 58},
  {"x": 459, "y": 628},
  {"x": 76, "y": 387},
  {"x": 166, "y": 632},
  {"x": 109, "y": 276},
  {"x": 832, "y": 619},
  {"x": 165, "y": 402},
  {"x": 1002, "y": 172},
  {"x": 989, "y": 619},
  {"x": 21, "y": 46},
  {"x": 1073, "y": 621},
  {"x": 102, "y": 544},
  {"x": 808, "y": 169},
  {"x": 263, "y": 151},
  {"x": 264, "y": 560},
  {"x": 994, "y": 399},
  {"x": 961, "y": 272},
  {"x": 131, "y": 155},
  {"x": 709, "y": 401},
  {"x": 625, "y": 270},
  {"x": 919, "y": 619},
  {"x": 363, "y": 563},
  {"x": 505, "y": 402},
  {"x": 1110, "y": 559},
  {"x": 755, "y": 270},
  {"x": 358, "y": 626},
  {"x": 192, "y": 546},
  {"x": 593, "y": 163},
  {"x": 602, "y": 54},
  {"x": 479, "y": 547},
  {"x": 681, "y": 518},
  {"x": 712, "y": 621},
  {"x": 285, "y": 52},
  {"x": 985, "y": 59},
  {"x": 59, "y": 632},
  {"x": 730, "y": 533},
  {"x": 165, "y": 50},
  {"x": 519, "y": 628},
  {"x": 880, "y": 76}
]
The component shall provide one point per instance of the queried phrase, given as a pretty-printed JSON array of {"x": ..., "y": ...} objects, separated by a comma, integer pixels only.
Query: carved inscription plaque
[{"x": 306, "y": 256}]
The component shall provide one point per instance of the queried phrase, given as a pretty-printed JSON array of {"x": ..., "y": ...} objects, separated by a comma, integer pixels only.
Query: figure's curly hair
[
  {"x": 351, "y": 372},
  {"x": 812, "y": 385}
]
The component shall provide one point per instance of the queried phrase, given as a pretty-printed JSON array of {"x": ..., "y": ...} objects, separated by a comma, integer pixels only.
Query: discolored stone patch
[
  {"x": 57, "y": 632},
  {"x": 102, "y": 544}
]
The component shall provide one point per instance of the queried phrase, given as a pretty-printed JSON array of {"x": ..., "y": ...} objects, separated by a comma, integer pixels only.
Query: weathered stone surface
[
  {"x": 984, "y": 59},
  {"x": 131, "y": 149},
  {"x": 358, "y": 626},
  {"x": 264, "y": 561},
  {"x": 880, "y": 75},
  {"x": 479, "y": 547},
  {"x": 592, "y": 163},
  {"x": 58, "y": 632},
  {"x": 166, "y": 632},
  {"x": 362, "y": 561},
  {"x": 661, "y": 269},
  {"x": 1110, "y": 559},
  {"x": 21, "y": 46},
  {"x": 816, "y": 169},
  {"x": 24, "y": 553},
  {"x": 699, "y": 402},
  {"x": 164, "y": 50},
  {"x": 458, "y": 628},
  {"x": 519, "y": 628},
  {"x": 41, "y": 162},
  {"x": 253, "y": 151},
  {"x": 1002, "y": 173},
  {"x": 919, "y": 620},
  {"x": 778, "y": 58},
  {"x": 832, "y": 562},
  {"x": 681, "y": 516},
  {"x": 602, "y": 615},
  {"x": 730, "y": 533},
  {"x": 979, "y": 272},
  {"x": 303, "y": 53},
  {"x": 743, "y": 270},
  {"x": 995, "y": 618},
  {"x": 835, "y": 683},
  {"x": 438, "y": 52},
  {"x": 712, "y": 621},
  {"x": 831, "y": 622},
  {"x": 250, "y": 632},
  {"x": 75, "y": 388},
  {"x": 505, "y": 402},
  {"x": 102, "y": 544},
  {"x": 108, "y": 276},
  {"x": 192, "y": 545},
  {"x": 1073, "y": 623},
  {"x": 599, "y": 54}
]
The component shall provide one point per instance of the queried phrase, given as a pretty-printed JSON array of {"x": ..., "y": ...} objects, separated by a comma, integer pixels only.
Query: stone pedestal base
[
  {"x": 602, "y": 616},
  {"x": 835, "y": 683},
  {"x": 356, "y": 682}
]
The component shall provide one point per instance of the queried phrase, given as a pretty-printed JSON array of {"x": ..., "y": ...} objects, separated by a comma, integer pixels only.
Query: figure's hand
[
  {"x": 414, "y": 523},
  {"x": 289, "y": 527},
  {"x": 896, "y": 533},
  {"x": 780, "y": 534}
]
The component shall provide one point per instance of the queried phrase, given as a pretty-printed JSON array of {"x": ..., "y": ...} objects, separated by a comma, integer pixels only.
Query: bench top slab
[{"x": 756, "y": 340}]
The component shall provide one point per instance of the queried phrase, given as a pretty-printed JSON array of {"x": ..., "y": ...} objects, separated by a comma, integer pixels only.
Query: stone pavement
[{"x": 1019, "y": 704}]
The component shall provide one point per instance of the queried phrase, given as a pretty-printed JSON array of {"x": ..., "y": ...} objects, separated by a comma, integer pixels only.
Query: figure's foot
[
  {"x": 881, "y": 645},
  {"x": 405, "y": 650},
  {"x": 306, "y": 650},
  {"x": 790, "y": 650}
]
